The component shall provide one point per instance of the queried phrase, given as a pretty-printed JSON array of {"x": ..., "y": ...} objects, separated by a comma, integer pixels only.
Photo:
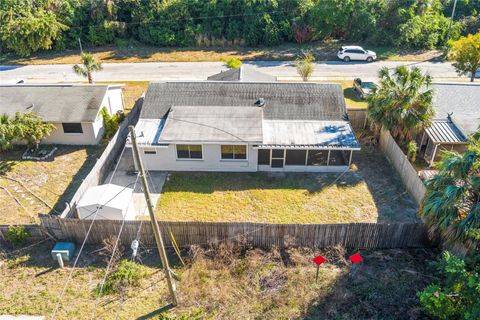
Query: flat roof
[
  {"x": 445, "y": 131},
  {"x": 212, "y": 124},
  {"x": 309, "y": 134},
  {"x": 148, "y": 131}
]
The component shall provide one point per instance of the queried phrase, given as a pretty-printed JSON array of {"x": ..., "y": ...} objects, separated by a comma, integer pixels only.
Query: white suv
[{"x": 348, "y": 53}]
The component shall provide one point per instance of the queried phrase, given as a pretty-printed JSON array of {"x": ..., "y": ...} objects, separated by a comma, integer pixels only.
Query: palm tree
[
  {"x": 402, "y": 103},
  {"x": 88, "y": 66},
  {"x": 452, "y": 202}
]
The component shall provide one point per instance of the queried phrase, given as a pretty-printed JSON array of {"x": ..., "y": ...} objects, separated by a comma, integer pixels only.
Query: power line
[{"x": 59, "y": 299}]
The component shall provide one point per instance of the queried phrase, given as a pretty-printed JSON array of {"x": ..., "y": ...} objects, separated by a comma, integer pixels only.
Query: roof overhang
[{"x": 445, "y": 131}]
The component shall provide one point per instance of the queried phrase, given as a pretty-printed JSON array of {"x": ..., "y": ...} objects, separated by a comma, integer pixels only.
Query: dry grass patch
[
  {"x": 225, "y": 282},
  {"x": 370, "y": 193},
  {"x": 54, "y": 181}
]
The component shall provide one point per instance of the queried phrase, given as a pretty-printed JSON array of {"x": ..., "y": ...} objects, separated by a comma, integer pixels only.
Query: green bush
[
  {"x": 110, "y": 123},
  {"x": 455, "y": 295},
  {"x": 232, "y": 63},
  {"x": 127, "y": 273},
  {"x": 17, "y": 235}
]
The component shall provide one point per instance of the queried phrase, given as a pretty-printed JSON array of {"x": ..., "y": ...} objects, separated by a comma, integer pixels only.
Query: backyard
[
  {"x": 371, "y": 192},
  {"x": 223, "y": 282},
  {"x": 29, "y": 187}
]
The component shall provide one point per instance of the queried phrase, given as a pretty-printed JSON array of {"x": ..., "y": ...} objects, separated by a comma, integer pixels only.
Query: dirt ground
[{"x": 223, "y": 282}]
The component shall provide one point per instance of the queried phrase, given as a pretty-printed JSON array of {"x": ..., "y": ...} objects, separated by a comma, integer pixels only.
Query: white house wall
[
  {"x": 90, "y": 135},
  {"x": 165, "y": 159},
  {"x": 113, "y": 100}
]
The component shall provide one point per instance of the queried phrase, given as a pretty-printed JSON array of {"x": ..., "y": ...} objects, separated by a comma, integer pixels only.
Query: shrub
[
  {"x": 232, "y": 63},
  {"x": 412, "y": 149},
  {"x": 127, "y": 273},
  {"x": 110, "y": 123},
  {"x": 455, "y": 295},
  {"x": 305, "y": 66},
  {"x": 17, "y": 235}
]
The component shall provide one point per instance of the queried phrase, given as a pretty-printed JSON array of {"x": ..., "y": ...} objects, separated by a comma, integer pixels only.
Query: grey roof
[
  {"x": 284, "y": 101},
  {"x": 213, "y": 124},
  {"x": 445, "y": 131},
  {"x": 245, "y": 73},
  {"x": 463, "y": 99},
  {"x": 308, "y": 134},
  {"x": 54, "y": 103}
]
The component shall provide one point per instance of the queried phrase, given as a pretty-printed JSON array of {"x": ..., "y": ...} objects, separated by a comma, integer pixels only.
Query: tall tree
[
  {"x": 402, "y": 102},
  {"x": 452, "y": 201},
  {"x": 466, "y": 53},
  {"x": 88, "y": 66}
]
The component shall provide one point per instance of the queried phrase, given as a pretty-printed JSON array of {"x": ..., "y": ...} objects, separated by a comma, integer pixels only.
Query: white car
[{"x": 348, "y": 53}]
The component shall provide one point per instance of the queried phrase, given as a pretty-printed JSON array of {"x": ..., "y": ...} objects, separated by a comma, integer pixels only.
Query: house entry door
[{"x": 278, "y": 158}]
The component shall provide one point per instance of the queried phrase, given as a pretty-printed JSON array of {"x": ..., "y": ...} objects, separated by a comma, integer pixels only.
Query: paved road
[{"x": 442, "y": 71}]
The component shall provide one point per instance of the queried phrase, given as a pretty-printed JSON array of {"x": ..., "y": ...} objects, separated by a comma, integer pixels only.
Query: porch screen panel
[
  {"x": 317, "y": 157},
  {"x": 338, "y": 158},
  {"x": 295, "y": 157},
  {"x": 264, "y": 156}
]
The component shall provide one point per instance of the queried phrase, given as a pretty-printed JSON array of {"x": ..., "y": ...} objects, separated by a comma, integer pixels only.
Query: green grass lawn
[
  {"x": 224, "y": 282},
  {"x": 370, "y": 193},
  {"x": 54, "y": 180}
]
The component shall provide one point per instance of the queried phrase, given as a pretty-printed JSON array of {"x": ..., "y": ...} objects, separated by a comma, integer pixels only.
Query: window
[
  {"x": 264, "y": 156},
  {"x": 317, "y": 157},
  {"x": 234, "y": 152},
  {"x": 72, "y": 127},
  {"x": 189, "y": 151},
  {"x": 296, "y": 157}
]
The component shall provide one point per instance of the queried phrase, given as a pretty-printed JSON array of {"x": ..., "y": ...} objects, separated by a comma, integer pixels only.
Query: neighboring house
[
  {"x": 239, "y": 126},
  {"x": 73, "y": 109},
  {"x": 245, "y": 73},
  {"x": 457, "y": 115}
]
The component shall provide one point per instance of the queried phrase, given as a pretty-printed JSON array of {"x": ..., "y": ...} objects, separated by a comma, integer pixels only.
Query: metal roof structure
[
  {"x": 462, "y": 100},
  {"x": 308, "y": 135},
  {"x": 54, "y": 103},
  {"x": 283, "y": 101},
  {"x": 445, "y": 131},
  {"x": 109, "y": 195},
  {"x": 148, "y": 131},
  {"x": 245, "y": 73},
  {"x": 213, "y": 124}
]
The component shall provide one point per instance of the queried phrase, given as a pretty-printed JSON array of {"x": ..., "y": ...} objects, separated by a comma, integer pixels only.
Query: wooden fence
[
  {"x": 262, "y": 235},
  {"x": 358, "y": 118},
  {"x": 407, "y": 172},
  {"x": 106, "y": 162}
]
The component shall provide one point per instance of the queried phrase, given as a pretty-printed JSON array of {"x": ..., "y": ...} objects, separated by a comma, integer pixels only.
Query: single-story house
[
  {"x": 245, "y": 73},
  {"x": 245, "y": 126},
  {"x": 457, "y": 115},
  {"x": 73, "y": 109}
]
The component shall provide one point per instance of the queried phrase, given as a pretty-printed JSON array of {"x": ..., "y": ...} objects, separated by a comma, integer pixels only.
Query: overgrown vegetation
[
  {"x": 17, "y": 235},
  {"x": 455, "y": 294},
  {"x": 29, "y": 26},
  {"x": 27, "y": 127},
  {"x": 126, "y": 274}
]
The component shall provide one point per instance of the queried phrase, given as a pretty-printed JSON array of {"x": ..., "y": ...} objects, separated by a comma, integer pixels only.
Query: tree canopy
[
  {"x": 466, "y": 53},
  {"x": 402, "y": 102},
  {"x": 88, "y": 66},
  {"x": 27, "y": 26},
  {"x": 452, "y": 202}
]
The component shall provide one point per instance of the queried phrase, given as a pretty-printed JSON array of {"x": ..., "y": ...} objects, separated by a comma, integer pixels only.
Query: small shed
[
  {"x": 112, "y": 201},
  {"x": 441, "y": 135}
]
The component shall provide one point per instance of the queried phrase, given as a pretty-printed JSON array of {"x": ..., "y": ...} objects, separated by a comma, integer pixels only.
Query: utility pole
[
  {"x": 451, "y": 20},
  {"x": 156, "y": 229},
  {"x": 80, "y": 43}
]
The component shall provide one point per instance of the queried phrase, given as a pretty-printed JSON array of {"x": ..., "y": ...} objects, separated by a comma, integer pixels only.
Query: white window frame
[
  {"x": 235, "y": 160},
  {"x": 188, "y": 159}
]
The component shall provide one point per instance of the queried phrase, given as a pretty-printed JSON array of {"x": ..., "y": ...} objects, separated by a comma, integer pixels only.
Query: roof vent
[{"x": 260, "y": 102}]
